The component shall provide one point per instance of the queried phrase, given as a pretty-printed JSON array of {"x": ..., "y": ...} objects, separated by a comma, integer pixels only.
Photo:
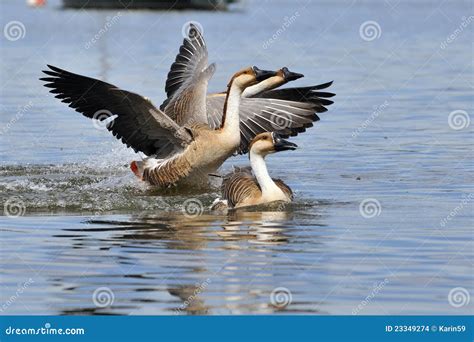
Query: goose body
[
  {"x": 253, "y": 186},
  {"x": 193, "y": 164},
  {"x": 204, "y": 155}
]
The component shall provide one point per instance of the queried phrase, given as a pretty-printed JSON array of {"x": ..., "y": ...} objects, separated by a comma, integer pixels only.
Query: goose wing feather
[
  {"x": 186, "y": 85},
  {"x": 138, "y": 123},
  {"x": 311, "y": 94},
  {"x": 286, "y": 111}
]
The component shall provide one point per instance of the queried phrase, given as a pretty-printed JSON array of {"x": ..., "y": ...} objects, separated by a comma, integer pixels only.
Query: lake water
[{"x": 382, "y": 222}]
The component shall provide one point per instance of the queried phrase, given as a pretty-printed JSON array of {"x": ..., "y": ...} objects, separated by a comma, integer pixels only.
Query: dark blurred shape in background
[{"x": 150, "y": 4}]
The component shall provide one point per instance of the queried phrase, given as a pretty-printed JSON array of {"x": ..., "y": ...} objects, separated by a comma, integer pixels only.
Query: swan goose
[
  {"x": 210, "y": 147},
  {"x": 263, "y": 108},
  {"x": 248, "y": 187},
  {"x": 196, "y": 149},
  {"x": 164, "y": 133}
]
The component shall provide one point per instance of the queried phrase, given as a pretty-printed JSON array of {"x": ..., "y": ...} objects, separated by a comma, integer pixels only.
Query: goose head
[
  {"x": 281, "y": 77},
  {"x": 250, "y": 76},
  {"x": 288, "y": 75},
  {"x": 267, "y": 143}
]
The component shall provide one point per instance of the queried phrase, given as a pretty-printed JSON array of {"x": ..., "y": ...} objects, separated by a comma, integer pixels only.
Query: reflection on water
[
  {"x": 170, "y": 263},
  {"x": 185, "y": 234},
  {"x": 257, "y": 227},
  {"x": 166, "y": 261}
]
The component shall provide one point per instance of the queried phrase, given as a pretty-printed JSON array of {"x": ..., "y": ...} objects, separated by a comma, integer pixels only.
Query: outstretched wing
[
  {"x": 186, "y": 85},
  {"x": 288, "y": 111},
  {"x": 310, "y": 94},
  {"x": 137, "y": 123}
]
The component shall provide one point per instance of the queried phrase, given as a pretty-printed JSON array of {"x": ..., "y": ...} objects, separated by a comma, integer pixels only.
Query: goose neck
[
  {"x": 231, "y": 123},
  {"x": 268, "y": 84},
  {"x": 266, "y": 183}
]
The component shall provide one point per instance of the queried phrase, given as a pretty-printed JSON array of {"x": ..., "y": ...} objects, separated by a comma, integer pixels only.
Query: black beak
[
  {"x": 263, "y": 74},
  {"x": 281, "y": 144},
  {"x": 290, "y": 76}
]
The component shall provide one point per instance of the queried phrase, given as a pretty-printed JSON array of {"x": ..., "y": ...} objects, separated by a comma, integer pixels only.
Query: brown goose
[
  {"x": 209, "y": 147},
  {"x": 191, "y": 151},
  {"x": 246, "y": 187},
  {"x": 222, "y": 141},
  {"x": 287, "y": 111},
  {"x": 164, "y": 134}
]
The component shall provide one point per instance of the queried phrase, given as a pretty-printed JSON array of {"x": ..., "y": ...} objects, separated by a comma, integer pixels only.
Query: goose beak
[
  {"x": 261, "y": 75},
  {"x": 281, "y": 144},
  {"x": 289, "y": 75}
]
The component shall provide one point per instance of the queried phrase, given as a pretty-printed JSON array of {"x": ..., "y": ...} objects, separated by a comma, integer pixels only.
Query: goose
[
  {"x": 196, "y": 149},
  {"x": 164, "y": 133},
  {"x": 288, "y": 111},
  {"x": 245, "y": 187},
  {"x": 148, "y": 170},
  {"x": 210, "y": 147}
]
